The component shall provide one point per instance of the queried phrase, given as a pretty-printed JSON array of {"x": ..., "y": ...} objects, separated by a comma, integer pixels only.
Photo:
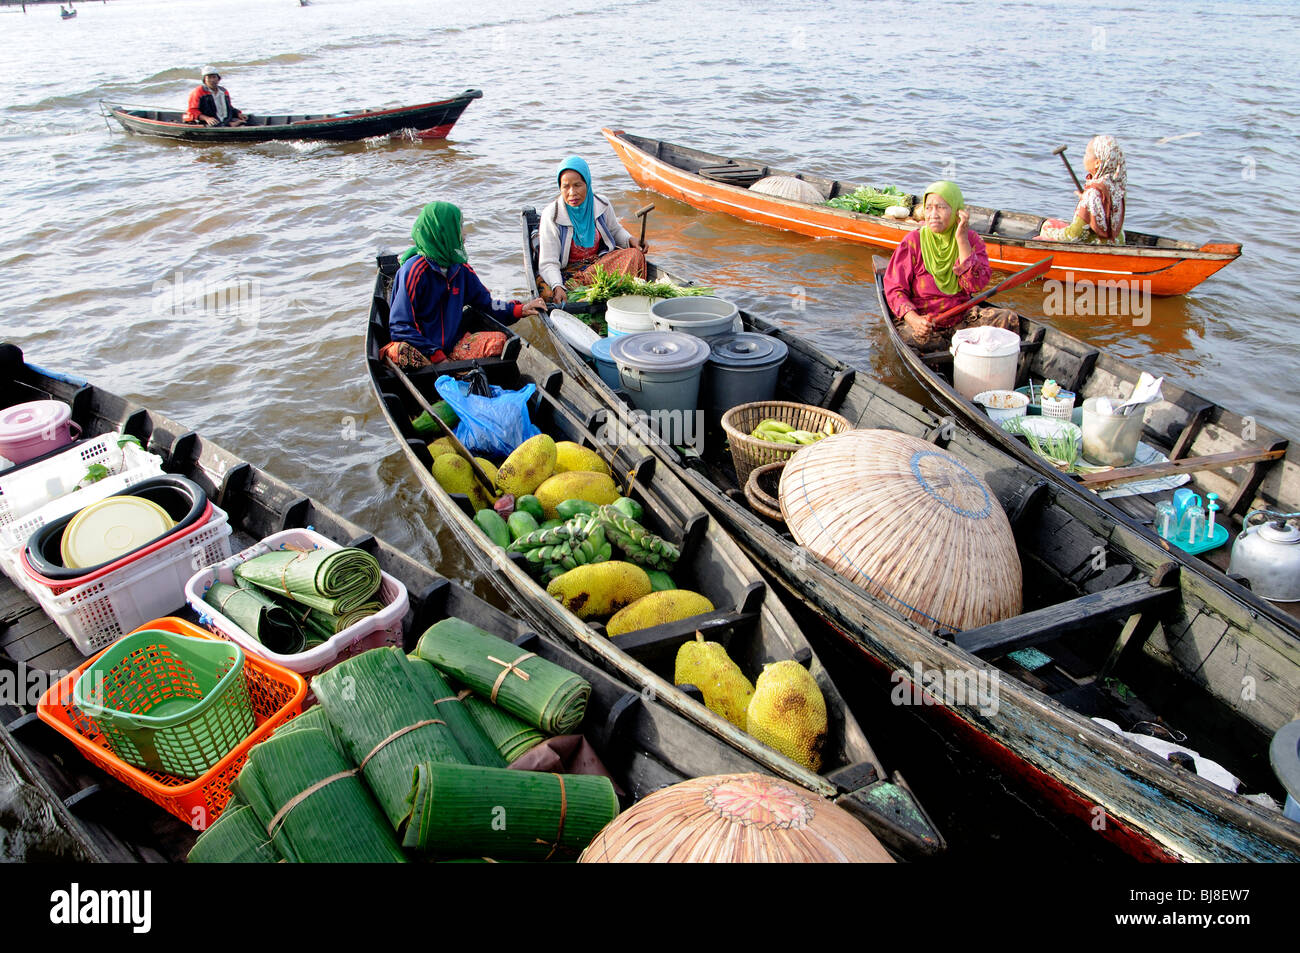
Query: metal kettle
[{"x": 1268, "y": 554}]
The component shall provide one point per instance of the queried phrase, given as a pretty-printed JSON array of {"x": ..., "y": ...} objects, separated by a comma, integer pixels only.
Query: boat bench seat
[{"x": 733, "y": 173}]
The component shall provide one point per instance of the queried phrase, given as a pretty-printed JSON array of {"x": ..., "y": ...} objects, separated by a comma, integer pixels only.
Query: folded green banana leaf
[{"x": 336, "y": 581}]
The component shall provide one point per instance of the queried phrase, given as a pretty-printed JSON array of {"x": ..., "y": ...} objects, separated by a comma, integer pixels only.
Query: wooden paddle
[
  {"x": 1060, "y": 151},
  {"x": 641, "y": 214},
  {"x": 460, "y": 447},
  {"x": 1019, "y": 278},
  {"x": 1214, "y": 461}
]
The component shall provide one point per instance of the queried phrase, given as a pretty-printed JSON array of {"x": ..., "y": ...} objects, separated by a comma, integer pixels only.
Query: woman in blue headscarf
[{"x": 579, "y": 230}]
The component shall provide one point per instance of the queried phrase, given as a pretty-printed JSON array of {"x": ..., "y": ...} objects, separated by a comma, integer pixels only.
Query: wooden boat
[
  {"x": 719, "y": 183},
  {"x": 1248, "y": 466},
  {"x": 67, "y": 14},
  {"x": 427, "y": 121},
  {"x": 750, "y": 619},
  {"x": 1120, "y": 630},
  {"x": 76, "y": 812}
]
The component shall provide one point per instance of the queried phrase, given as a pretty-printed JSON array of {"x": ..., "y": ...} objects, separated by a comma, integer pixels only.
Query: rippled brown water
[{"x": 100, "y": 227}]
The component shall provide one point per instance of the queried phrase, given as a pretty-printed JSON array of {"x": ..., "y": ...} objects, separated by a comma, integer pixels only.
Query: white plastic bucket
[
  {"x": 629, "y": 314},
  {"x": 984, "y": 359}
]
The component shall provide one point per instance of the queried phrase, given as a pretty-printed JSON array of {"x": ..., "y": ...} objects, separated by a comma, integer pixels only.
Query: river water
[{"x": 103, "y": 230}]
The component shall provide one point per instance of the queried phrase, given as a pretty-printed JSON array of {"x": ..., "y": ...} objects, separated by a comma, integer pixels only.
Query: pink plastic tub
[{"x": 36, "y": 427}]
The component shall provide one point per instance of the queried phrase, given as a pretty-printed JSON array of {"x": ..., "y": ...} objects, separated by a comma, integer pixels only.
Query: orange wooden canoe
[{"x": 718, "y": 183}]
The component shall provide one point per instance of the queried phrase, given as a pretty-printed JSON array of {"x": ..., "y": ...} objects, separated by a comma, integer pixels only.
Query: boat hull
[{"x": 1157, "y": 271}]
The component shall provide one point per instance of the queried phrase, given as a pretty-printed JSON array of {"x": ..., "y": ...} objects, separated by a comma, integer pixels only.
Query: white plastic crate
[
  {"x": 382, "y": 628},
  {"x": 44, "y": 491},
  {"x": 96, "y": 614}
]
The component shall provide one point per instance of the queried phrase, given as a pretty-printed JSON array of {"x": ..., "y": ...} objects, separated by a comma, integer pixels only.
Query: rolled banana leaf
[
  {"x": 385, "y": 716},
  {"x": 312, "y": 803},
  {"x": 336, "y": 581},
  {"x": 546, "y": 696},
  {"x": 511, "y": 736},
  {"x": 235, "y": 837},
  {"x": 468, "y": 811},
  {"x": 479, "y": 748},
  {"x": 313, "y": 717},
  {"x": 258, "y": 615}
]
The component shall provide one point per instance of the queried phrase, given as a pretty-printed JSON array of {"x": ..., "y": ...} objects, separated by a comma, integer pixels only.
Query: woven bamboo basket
[
  {"x": 734, "y": 818},
  {"x": 908, "y": 522},
  {"x": 749, "y": 452},
  {"x": 761, "y": 490}
]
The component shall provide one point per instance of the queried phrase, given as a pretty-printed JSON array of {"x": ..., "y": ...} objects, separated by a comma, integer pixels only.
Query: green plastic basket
[{"x": 167, "y": 702}]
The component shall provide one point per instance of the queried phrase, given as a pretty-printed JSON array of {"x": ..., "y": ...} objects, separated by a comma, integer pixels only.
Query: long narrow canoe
[
  {"x": 1183, "y": 426},
  {"x": 426, "y": 120},
  {"x": 749, "y": 618},
  {"x": 1117, "y": 628},
  {"x": 719, "y": 183},
  {"x": 64, "y": 808}
]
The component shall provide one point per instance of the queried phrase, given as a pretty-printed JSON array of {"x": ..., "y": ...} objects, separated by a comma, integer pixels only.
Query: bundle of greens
[
  {"x": 609, "y": 284},
  {"x": 871, "y": 201},
  {"x": 1060, "y": 450}
]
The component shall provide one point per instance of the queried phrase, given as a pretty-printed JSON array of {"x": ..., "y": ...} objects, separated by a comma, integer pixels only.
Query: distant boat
[
  {"x": 67, "y": 14},
  {"x": 429, "y": 120}
]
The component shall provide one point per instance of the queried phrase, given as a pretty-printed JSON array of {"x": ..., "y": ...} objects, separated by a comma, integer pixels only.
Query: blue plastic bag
[{"x": 489, "y": 425}]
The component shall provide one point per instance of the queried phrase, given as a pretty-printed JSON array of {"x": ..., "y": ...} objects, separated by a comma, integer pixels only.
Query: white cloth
[{"x": 1210, "y": 770}]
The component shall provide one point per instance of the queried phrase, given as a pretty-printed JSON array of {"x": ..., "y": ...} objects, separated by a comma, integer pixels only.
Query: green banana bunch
[
  {"x": 555, "y": 551},
  {"x": 774, "y": 431},
  {"x": 637, "y": 543}
]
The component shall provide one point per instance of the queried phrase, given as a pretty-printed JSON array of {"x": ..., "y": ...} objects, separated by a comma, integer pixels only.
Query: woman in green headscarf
[
  {"x": 432, "y": 289},
  {"x": 939, "y": 266}
]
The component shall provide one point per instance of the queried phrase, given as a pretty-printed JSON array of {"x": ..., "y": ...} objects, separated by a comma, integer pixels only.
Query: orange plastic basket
[{"x": 276, "y": 693}]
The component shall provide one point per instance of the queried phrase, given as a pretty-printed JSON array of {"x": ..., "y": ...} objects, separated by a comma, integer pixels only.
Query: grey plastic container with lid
[
  {"x": 742, "y": 368},
  {"x": 705, "y": 316},
  {"x": 660, "y": 370}
]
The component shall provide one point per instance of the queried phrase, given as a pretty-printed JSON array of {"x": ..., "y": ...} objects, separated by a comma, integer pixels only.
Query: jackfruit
[
  {"x": 788, "y": 713},
  {"x": 658, "y": 608},
  {"x": 598, "y": 589},
  {"x": 488, "y": 467},
  {"x": 528, "y": 466},
  {"x": 570, "y": 456},
  {"x": 595, "y": 488},
  {"x": 453, "y": 474},
  {"x": 707, "y": 666},
  {"x": 440, "y": 446}
]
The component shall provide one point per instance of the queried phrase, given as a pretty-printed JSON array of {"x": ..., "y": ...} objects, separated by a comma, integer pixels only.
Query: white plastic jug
[{"x": 984, "y": 359}]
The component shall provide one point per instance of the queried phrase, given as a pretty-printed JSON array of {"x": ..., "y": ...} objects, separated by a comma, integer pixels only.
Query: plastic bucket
[
  {"x": 34, "y": 428},
  {"x": 605, "y": 365},
  {"x": 660, "y": 370},
  {"x": 984, "y": 359},
  {"x": 1110, "y": 441},
  {"x": 704, "y": 316},
  {"x": 742, "y": 368},
  {"x": 629, "y": 314}
]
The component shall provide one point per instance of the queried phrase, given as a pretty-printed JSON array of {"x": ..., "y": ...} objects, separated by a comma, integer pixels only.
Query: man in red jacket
[{"x": 210, "y": 103}]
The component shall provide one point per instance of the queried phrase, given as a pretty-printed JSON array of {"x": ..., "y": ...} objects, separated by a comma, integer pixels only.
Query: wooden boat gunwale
[
  {"x": 1077, "y": 764},
  {"x": 1172, "y": 267}
]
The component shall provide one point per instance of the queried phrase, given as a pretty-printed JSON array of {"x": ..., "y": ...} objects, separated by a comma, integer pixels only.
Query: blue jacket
[{"x": 428, "y": 302}]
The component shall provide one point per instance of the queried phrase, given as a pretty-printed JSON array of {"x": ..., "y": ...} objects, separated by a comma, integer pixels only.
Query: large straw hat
[
  {"x": 734, "y": 818},
  {"x": 908, "y": 522}
]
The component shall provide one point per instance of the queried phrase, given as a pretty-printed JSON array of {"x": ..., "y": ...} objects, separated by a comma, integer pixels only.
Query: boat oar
[
  {"x": 1019, "y": 278},
  {"x": 1060, "y": 151},
  {"x": 641, "y": 214},
  {"x": 460, "y": 447}
]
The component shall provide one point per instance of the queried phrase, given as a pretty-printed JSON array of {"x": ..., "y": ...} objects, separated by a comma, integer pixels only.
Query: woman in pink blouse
[{"x": 940, "y": 265}]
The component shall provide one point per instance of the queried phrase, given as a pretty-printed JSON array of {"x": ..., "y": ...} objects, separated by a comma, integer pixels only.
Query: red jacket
[{"x": 202, "y": 103}]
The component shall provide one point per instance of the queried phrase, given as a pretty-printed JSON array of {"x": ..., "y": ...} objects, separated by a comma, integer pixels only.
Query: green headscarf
[
  {"x": 437, "y": 237},
  {"x": 939, "y": 251}
]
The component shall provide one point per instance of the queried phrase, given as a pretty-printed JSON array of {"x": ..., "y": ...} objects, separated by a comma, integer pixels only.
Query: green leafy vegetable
[
  {"x": 124, "y": 439},
  {"x": 94, "y": 473},
  {"x": 871, "y": 201},
  {"x": 608, "y": 284}
]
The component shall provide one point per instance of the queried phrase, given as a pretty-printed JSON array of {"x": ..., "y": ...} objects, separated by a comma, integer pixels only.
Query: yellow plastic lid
[{"x": 111, "y": 528}]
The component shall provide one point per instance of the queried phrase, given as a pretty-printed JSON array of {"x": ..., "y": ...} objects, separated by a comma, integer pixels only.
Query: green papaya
[
  {"x": 491, "y": 523},
  {"x": 629, "y": 508},
  {"x": 660, "y": 580},
  {"x": 531, "y": 504},
  {"x": 521, "y": 523},
  {"x": 571, "y": 508}
]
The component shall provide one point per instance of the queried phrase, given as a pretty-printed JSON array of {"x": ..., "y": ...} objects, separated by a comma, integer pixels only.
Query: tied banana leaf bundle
[
  {"x": 236, "y": 837},
  {"x": 541, "y": 693},
  {"x": 463, "y": 810},
  {"x": 511, "y": 737},
  {"x": 453, "y": 706},
  {"x": 336, "y": 581},
  {"x": 388, "y": 723},
  {"x": 312, "y": 804},
  {"x": 259, "y": 616},
  {"x": 321, "y": 626},
  {"x": 313, "y": 718}
]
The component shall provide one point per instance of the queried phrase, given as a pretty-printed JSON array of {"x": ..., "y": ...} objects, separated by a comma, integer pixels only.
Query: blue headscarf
[{"x": 583, "y": 216}]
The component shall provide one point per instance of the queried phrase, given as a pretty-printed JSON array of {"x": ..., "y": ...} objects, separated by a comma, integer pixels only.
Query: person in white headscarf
[
  {"x": 210, "y": 103},
  {"x": 1099, "y": 216}
]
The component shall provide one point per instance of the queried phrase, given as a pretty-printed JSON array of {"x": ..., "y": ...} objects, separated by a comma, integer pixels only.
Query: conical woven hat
[
  {"x": 734, "y": 818},
  {"x": 908, "y": 522}
]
